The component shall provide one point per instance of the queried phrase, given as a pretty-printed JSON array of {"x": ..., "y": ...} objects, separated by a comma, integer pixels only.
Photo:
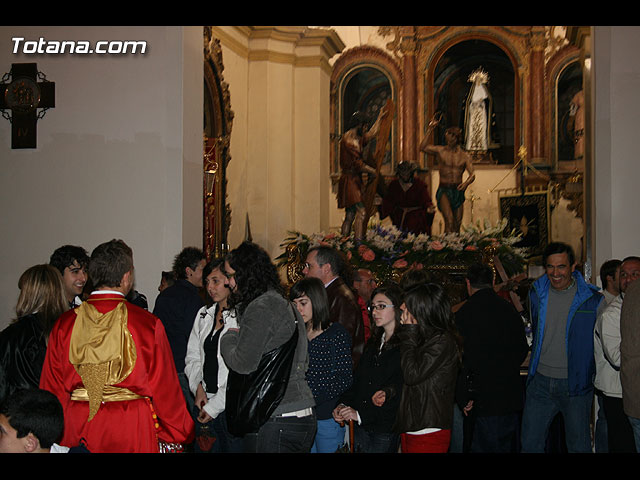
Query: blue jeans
[
  {"x": 329, "y": 436},
  {"x": 457, "y": 431},
  {"x": 545, "y": 398},
  {"x": 374, "y": 442},
  {"x": 283, "y": 435}
]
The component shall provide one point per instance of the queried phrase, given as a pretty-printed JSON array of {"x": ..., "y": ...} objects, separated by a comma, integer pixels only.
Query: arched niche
[
  {"x": 446, "y": 88},
  {"x": 217, "y": 123},
  {"x": 451, "y": 87},
  {"x": 362, "y": 80},
  {"x": 568, "y": 114}
]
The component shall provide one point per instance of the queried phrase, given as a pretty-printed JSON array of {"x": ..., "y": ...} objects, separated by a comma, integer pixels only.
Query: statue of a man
[
  {"x": 452, "y": 162},
  {"x": 352, "y": 166}
]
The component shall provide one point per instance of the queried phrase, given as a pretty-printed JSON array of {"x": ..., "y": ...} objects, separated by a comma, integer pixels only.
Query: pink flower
[
  {"x": 417, "y": 266},
  {"x": 366, "y": 253},
  {"x": 400, "y": 263},
  {"x": 330, "y": 236},
  {"x": 436, "y": 245},
  {"x": 471, "y": 248}
]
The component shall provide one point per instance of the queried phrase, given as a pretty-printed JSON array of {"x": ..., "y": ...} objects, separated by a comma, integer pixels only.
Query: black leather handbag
[{"x": 252, "y": 398}]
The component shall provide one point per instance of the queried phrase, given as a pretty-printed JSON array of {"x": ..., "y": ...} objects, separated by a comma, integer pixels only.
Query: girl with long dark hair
[
  {"x": 430, "y": 361},
  {"x": 204, "y": 367},
  {"x": 266, "y": 321},
  {"x": 330, "y": 367},
  {"x": 373, "y": 399}
]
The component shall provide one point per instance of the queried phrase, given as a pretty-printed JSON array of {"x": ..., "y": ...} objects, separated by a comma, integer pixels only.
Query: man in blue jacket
[{"x": 563, "y": 311}]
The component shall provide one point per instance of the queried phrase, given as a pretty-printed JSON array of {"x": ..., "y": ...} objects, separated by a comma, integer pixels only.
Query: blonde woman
[{"x": 23, "y": 343}]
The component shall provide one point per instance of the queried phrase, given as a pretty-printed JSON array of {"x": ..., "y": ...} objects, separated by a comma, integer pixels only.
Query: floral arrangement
[{"x": 386, "y": 249}]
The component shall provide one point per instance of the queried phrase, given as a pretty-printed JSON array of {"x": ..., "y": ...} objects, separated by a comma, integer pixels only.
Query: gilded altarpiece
[
  {"x": 218, "y": 119},
  {"x": 530, "y": 70}
]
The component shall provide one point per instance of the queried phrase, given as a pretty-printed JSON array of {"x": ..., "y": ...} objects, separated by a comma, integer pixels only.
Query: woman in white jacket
[{"x": 205, "y": 368}]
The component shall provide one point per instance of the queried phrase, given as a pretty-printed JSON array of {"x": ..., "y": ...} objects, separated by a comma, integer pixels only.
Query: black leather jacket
[
  {"x": 429, "y": 369},
  {"x": 22, "y": 350}
]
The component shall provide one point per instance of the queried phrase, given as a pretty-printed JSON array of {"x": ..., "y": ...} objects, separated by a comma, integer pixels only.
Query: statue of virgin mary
[{"x": 478, "y": 113}]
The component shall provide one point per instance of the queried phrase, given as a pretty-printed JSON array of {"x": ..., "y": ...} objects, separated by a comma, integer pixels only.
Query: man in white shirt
[{"x": 607, "y": 357}]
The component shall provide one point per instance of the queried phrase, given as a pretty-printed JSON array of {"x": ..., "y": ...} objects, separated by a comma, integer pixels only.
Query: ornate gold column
[
  {"x": 536, "y": 96},
  {"x": 408, "y": 112}
]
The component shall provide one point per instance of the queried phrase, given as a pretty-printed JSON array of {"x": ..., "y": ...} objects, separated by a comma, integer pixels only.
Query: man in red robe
[
  {"x": 110, "y": 365},
  {"x": 407, "y": 201}
]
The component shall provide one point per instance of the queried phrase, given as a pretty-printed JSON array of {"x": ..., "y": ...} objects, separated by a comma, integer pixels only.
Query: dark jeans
[
  {"x": 620, "y": 433},
  {"x": 495, "y": 434},
  {"x": 283, "y": 435},
  {"x": 374, "y": 442}
]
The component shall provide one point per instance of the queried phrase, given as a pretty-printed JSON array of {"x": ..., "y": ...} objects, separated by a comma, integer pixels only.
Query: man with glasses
[{"x": 326, "y": 264}]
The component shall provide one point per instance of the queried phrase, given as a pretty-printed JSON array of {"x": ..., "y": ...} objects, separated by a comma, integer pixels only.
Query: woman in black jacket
[
  {"x": 377, "y": 376},
  {"x": 430, "y": 358},
  {"x": 23, "y": 343}
]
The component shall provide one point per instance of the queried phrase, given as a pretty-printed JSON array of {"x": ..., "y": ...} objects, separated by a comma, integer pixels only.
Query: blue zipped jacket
[{"x": 579, "y": 334}]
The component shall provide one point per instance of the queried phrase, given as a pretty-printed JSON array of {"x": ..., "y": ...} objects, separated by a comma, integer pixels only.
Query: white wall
[
  {"x": 114, "y": 158},
  {"x": 617, "y": 170}
]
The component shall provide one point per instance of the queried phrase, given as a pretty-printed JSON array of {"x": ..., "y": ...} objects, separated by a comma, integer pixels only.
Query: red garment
[
  {"x": 365, "y": 318},
  {"x": 396, "y": 200},
  {"x": 351, "y": 165},
  {"x": 435, "y": 442},
  {"x": 131, "y": 426}
]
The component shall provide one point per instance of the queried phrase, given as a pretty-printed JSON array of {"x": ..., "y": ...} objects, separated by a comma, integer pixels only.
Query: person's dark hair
[
  {"x": 331, "y": 256},
  {"x": 188, "y": 257},
  {"x": 357, "y": 119},
  {"x": 35, "y": 411},
  {"x": 631, "y": 258},
  {"x": 216, "y": 263},
  {"x": 608, "y": 269},
  {"x": 64, "y": 257},
  {"x": 430, "y": 306},
  {"x": 414, "y": 277},
  {"x": 559, "y": 247},
  {"x": 41, "y": 294},
  {"x": 109, "y": 262},
  {"x": 168, "y": 277},
  {"x": 480, "y": 276},
  {"x": 393, "y": 292},
  {"x": 255, "y": 273},
  {"x": 457, "y": 131},
  {"x": 314, "y": 289}
]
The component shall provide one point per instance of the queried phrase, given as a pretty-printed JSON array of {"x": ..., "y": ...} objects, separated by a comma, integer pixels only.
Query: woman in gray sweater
[{"x": 266, "y": 320}]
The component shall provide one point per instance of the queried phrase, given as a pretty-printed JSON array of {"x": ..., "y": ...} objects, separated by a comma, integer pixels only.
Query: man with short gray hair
[{"x": 327, "y": 264}]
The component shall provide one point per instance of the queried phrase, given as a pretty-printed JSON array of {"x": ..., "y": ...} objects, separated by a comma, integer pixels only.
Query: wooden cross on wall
[{"x": 24, "y": 95}]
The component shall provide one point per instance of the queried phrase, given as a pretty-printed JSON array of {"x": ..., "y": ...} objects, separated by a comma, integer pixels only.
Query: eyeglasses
[{"x": 380, "y": 306}]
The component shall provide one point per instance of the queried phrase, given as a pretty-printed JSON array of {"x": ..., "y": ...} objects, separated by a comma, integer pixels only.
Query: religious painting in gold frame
[{"x": 528, "y": 215}]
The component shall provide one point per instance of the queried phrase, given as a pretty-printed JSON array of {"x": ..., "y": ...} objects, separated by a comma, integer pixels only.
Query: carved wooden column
[
  {"x": 536, "y": 97},
  {"x": 408, "y": 112}
]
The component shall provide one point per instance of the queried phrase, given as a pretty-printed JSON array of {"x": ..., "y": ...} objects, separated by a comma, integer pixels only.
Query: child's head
[{"x": 31, "y": 420}]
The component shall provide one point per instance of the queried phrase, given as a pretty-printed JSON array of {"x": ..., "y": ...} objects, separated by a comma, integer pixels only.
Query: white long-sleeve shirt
[{"x": 194, "y": 360}]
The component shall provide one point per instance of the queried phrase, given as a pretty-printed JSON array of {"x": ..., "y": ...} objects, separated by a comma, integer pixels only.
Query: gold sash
[{"x": 102, "y": 352}]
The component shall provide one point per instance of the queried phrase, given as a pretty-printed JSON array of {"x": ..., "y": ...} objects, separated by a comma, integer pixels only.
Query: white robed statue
[{"x": 477, "y": 115}]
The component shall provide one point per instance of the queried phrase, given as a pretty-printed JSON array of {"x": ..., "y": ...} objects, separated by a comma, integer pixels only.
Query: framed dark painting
[{"x": 528, "y": 215}]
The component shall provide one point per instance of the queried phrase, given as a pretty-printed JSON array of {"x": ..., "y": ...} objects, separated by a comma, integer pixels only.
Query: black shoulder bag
[{"x": 253, "y": 397}]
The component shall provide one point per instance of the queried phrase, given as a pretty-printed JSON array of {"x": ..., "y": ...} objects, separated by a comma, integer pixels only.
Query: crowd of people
[{"x": 231, "y": 360}]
